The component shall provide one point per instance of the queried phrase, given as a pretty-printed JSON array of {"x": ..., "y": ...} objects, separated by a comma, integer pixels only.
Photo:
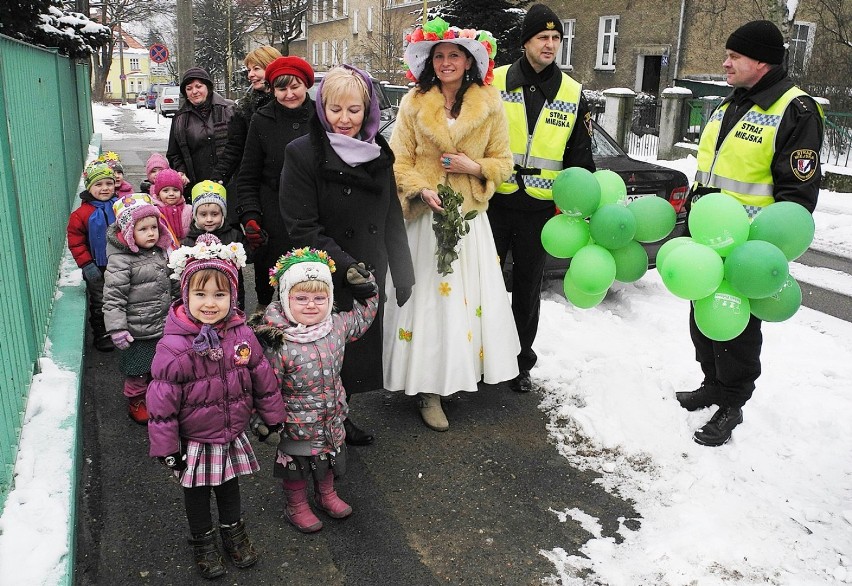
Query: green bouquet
[{"x": 449, "y": 227}]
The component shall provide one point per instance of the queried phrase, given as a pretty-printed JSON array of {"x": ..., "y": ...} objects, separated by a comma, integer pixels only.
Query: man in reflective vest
[
  {"x": 544, "y": 107},
  {"x": 760, "y": 146}
]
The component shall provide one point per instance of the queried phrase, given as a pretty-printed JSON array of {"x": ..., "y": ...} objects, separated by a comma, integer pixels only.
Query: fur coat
[{"x": 422, "y": 134}]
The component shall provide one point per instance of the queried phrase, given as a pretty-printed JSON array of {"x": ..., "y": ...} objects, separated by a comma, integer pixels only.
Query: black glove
[
  {"x": 261, "y": 430},
  {"x": 176, "y": 461},
  {"x": 402, "y": 295},
  {"x": 360, "y": 281},
  {"x": 91, "y": 273}
]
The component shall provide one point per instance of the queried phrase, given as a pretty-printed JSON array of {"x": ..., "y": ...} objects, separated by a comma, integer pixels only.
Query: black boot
[
  {"x": 237, "y": 544},
  {"x": 208, "y": 560},
  {"x": 718, "y": 430},
  {"x": 521, "y": 383},
  {"x": 704, "y": 396},
  {"x": 101, "y": 338},
  {"x": 356, "y": 436}
]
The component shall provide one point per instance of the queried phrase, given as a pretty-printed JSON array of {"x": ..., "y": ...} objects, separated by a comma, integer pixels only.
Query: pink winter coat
[{"x": 210, "y": 401}]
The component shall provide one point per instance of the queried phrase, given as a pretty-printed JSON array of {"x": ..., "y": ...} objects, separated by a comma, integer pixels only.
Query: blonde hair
[
  {"x": 339, "y": 82},
  {"x": 263, "y": 56},
  {"x": 311, "y": 286}
]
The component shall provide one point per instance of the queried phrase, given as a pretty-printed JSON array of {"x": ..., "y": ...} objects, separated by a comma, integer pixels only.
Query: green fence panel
[{"x": 43, "y": 143}]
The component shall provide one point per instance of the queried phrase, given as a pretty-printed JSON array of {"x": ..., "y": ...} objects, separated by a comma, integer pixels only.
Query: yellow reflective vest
[
  {"x": 742, "y": 167},
  {"x": 545, "y": 148}
]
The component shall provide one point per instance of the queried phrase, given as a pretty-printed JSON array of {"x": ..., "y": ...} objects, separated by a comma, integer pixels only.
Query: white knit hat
[{"x": 298, "y": 266}]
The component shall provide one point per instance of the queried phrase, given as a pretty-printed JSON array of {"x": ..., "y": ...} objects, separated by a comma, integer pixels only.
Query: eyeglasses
[{"x": 306, "y": 299}]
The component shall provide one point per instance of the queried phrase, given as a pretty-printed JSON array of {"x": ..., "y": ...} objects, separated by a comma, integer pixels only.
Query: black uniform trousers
[
  {"x": 732, "y": 366},
  {"x": 519, "y": 230}
]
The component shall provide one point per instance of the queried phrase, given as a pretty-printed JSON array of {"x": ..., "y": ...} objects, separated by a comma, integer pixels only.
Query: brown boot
[
  {"x": 208, "y": 560},
  {"x": 237, "y": 544}
]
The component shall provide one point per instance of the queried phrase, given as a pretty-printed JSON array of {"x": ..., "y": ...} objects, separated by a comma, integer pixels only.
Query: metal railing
[
  {"x": 43, "y": 144},
  {"x": 837, "y": 141}
]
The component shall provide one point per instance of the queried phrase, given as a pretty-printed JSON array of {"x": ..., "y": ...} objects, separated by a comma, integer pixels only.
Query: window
[
  {"x": 108, "y": 88},
  {"x": 134, "y": 63},
  {"x": 345, "y": 7},
  {"x": 323, "y": 10},
  {"x": 370, "y": 19},
  {"x": 325, "y": 52},
  {"x": 316, "y": 11},
  {"x": 333, "y": 8},
  {"x": 344, "y": 56},
  {"x": 334, "y": 55},
  {"x": 607, "y": 37},
  {"x": 801, "y": 43},
  {"x": 563, "y": 60},
  {"x": 304, "y": 27},
  {"x": 355, "y": 22},
  {"x": 315, "y": 56}
]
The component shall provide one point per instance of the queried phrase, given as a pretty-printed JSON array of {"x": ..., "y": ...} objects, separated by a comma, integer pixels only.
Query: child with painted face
[
  {"x": 137, "y": 292},
  {"x": 209, "y": 210},
  {"x": 295, "y": 331},
  {"x": 168, "y": 190},
  {"x": 209, "y": 374},
  {"x": 87, "y": 241}
]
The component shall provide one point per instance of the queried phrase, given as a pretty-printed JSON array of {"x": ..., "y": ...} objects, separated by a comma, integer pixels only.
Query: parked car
[
  {"x": 151, "y": 101},
  {"x": 388, "y": 111},
  {"x": 642, "y": 179},
  {"x": 168, "y": 101},
  {"x": 141, "y": 100}
]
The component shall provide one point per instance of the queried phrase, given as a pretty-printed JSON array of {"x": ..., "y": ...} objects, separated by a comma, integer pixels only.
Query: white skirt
[{"x": 455, "y": 330}]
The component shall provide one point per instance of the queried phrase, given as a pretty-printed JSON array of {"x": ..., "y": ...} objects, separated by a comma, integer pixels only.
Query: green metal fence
[{"x": 43, "y": 143}]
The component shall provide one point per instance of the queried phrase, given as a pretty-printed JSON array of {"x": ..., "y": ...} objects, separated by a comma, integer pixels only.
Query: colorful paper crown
[
  {"x": 296, "y": 256},
  {"x": 480, "y": 43},
  {"x": 109, "y": 156}
]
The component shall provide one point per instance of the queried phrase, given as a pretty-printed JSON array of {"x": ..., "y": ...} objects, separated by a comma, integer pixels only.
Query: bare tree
[
  {"x": 282, "y": 20},
  {"x": 381, "y": 50}
]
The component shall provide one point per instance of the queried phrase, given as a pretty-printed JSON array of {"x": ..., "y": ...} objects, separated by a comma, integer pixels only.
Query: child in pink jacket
[{"x": 168, "y": 197}]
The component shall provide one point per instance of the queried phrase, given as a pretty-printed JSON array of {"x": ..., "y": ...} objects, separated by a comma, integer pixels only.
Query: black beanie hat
[
  {"x": 196, "y": 73},
  {"x": 759, "y": 39},
  {"x": 539, "y": 18}
]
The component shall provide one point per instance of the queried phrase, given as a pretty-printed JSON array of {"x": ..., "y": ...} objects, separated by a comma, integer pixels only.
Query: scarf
[
  {"x": 295, "y": 332},
  {"x": 99, "y": 221},
  {"x": 173, "y": 214},
  {"x": 353, "y": 151},
  {"x": 207, "y": 343}
]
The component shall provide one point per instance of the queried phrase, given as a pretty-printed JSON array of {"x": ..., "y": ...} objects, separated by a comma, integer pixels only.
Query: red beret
[{"x": 290, "y": 66}]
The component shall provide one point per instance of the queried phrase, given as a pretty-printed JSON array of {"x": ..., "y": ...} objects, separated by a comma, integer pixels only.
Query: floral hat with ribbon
[
  {"x": 479, "y": 43},
  {"x": 208, "y": 253},
  {"x": 297, "y": 266}
]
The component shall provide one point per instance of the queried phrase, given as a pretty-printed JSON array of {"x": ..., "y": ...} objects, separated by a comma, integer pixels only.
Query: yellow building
[{"x": 139, "y": 71}]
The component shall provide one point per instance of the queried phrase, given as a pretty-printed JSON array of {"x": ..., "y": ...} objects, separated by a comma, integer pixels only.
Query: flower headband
[
  {"x": 439, "y": 30},
  {"x": 233, "y": 253},
  {"x": 296, "y": 256}
]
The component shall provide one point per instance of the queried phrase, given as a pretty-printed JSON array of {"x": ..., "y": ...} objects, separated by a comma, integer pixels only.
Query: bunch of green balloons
[
  {"x": 731, "y": 269},
  {"x": 601, "y": 233}
]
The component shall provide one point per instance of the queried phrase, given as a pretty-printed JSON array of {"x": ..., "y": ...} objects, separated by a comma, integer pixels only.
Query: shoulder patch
[{"x": 803, "y": 163}]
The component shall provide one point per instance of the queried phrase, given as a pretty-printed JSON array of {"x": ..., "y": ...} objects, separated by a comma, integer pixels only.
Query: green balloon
[
  {"x": 655, "y": 218},
  {"x": 577, "y": 297},
  {"x": 785, "y": 224},
  {"x": 692, "y": 271},
  {"x": 613, "y": 189},
  {"x": 719, "y": 221},
  {"x": 576, "y": 192},
  {"x": 612, "y": 226},
  {"x": 592, "y": 269},
  {"x": 562, "y": 236},
  {"x": 668, "y": 246},
  {"x": 724, "y": 314},
  {"x": 631, "y": 262},
  {"x": 779, "y": 306},
  {"x": 757, "y": 269}
]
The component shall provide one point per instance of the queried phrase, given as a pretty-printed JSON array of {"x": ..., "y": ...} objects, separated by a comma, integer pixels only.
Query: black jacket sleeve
[
  {"x": 228, "y": 163},
  {"x": 799, "y": 138},
  {"x": 578, "y": 149},
  {"x": 249, "y": 177}
]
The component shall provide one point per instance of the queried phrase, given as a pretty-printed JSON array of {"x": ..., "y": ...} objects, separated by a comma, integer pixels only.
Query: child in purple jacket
[
  {"x": 209, "y": 373},
  {"x": 304, "y": 342}
]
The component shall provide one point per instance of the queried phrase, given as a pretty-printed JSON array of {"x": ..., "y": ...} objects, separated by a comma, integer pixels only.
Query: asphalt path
[{"x": 474, "y": 505}]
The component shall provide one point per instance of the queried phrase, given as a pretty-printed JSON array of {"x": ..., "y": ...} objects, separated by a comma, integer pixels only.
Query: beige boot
[{"x": 431, "y": 411}]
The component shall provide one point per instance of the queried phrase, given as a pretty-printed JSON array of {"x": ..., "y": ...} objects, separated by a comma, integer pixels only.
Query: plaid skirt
[{"x": 215, "y": 464}]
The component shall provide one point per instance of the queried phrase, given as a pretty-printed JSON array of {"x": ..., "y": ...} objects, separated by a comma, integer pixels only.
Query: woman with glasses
[{"x": 338, "y": 194}]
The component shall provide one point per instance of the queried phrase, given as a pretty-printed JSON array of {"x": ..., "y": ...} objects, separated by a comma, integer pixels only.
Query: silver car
[{"x": 168, "y": 101}]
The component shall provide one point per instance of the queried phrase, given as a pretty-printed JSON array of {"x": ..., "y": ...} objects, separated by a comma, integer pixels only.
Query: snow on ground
[
  {"x": 148, "y": 123},
  {"x": 771, "y": 507}
]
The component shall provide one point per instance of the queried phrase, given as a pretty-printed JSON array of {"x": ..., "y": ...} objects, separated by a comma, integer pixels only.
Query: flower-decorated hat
[
  {"x": 132, "y": 208},
  {"x": 479, "y": 43},
  {"x": 209, "y": 192},
  {"x": 208, "y": 253},
  {"x": 95, "y": 171},
  {"x": 297, "y": 266}
]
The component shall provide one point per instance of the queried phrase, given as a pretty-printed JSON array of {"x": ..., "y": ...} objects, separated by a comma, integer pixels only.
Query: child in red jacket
[{"x": 87, "y": 228}]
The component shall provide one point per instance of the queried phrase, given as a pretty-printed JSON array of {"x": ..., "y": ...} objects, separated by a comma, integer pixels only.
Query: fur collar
[{"x": 477, "y": 107}]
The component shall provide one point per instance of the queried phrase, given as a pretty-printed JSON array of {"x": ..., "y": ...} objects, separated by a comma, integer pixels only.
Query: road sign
[
  {"x": 122, "y": 77},
  {"x": 158, "y": 53}
]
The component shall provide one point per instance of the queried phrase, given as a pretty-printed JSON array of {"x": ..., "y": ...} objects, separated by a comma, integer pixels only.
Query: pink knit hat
[
  {"x": 132, "y": 208},
  {"x": 156, "y": 160},
  {"x": 168, "y": 178}
]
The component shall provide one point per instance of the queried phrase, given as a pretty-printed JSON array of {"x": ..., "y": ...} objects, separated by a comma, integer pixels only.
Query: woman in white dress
[{"x": 457, "y": 329}]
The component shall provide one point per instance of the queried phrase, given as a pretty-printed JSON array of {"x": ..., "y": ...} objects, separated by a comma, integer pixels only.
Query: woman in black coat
[
  {"x": 272, "y": 128},
  {"x": 199, "y": 129},
  {"x": 338, "y": 194}
]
